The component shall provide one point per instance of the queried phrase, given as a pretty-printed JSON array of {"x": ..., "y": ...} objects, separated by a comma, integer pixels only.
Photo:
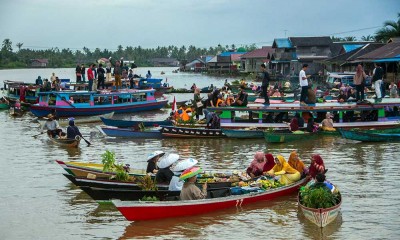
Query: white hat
[
  {"x": 168, "y": 160},
  {"x": 184, "y": 164},
  {"x": 155, "y": 154},
  {"x": 329, "y": 115}
]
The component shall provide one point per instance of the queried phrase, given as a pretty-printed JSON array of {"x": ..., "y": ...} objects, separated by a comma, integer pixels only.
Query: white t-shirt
[
  {"x": 175, "y": 184},
  {"x": 305, "y": 81}
]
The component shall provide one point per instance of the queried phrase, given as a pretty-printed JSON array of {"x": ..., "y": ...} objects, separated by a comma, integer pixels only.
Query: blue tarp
[
  {"x": 227, "y": 54},
  {"x": 283, "y": 43},
  {"x": 395, "y": 59},
  {"x": 351, "y": 47}
]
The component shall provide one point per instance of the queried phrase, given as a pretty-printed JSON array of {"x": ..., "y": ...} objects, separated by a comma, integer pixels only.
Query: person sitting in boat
[
  {"x": 183, "y": 112},
  {"x": 189, "y": 190},
  {"x": 72, "y": 130},
  {"x": 148, "y": 75},
  {"x": 296, "y": 163},
  {"x": 17, "y": 105},
  {"x": 276, "y": 93},
  {"x": 243, "y": 83},
  {"x": 213, "y": 120},
  {"x": 311, "y": 125},
  {"x": 241, "y": 99},
  {"x": 320, "y": 182},
  {"x": 220, "y": 101},
  {"x": 296, "y": 123},
  {"x": 327, "y": 123},
  {"x": 342, "y": 97},
  {"x": 52, "y": 127},
  {"x": 39, "y": 81},
  {"x": 176, "y": 183},
  {"x": 287, "y": 85},
  {"x": 257, "y": 165},
  {"x": 164, "y": 174},
  {"x": 287, "y": 174},
  {"x": 152, "y": 160},
  {"x": 317, "y": 166},
  {"x": 269, "y": 163}
]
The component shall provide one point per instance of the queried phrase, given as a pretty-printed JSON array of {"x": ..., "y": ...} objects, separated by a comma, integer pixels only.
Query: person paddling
[
  {"x": 52, "y": 127},
  {"x": 72, "y": 130}
]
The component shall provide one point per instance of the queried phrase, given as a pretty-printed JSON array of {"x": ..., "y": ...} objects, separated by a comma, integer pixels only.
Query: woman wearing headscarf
[
  {"x": 256, "y": 167},
  {"x": 317, "y": 166},
  {"x": 287, "y": 174},
  {"x": 359, "y": 80},
  {"x": 269, "y": 162},
  {"x": 296, "y": 163}
]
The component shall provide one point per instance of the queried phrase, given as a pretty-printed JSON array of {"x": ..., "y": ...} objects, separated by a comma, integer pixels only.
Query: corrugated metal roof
[
  {"x": 282, "y": 43},
  {"x": 350, "y": 47},
  {"x": 390, "y": 50},
  {"x": 259, "y": 53},
  {"x": 310, "y": 41}
]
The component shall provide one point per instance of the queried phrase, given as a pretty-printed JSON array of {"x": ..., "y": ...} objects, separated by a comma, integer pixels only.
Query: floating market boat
[
  {"x": 321, "y": 216},
  {"x": 92, "y": 103},
  {"x": 282, "y": 136},
  {"x": 370, "y": 136},
  {"x": 181, "y": 132},
  {"x": 144, "y": 210},
  {"x": 66, "y": 142},
  {"x": 132, "y": 123},
  {"x": 131, "y": 133},
  {"x": 19, "y": 90},
  {"x": 63, "y": 122}
]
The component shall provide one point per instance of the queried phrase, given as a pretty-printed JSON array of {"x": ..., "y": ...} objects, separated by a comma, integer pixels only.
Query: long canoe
[
  {"x": 129, "y": 133},
  {"x": 242, "y": 133},
  {"x": 181, "y": 132},
  {"x": 321, "y": 216},
  {"x": 63, "y": 122},
  {"x": 370, "y": 137},
  {"x": 280, "y": 137},
  {"x": 143, "y": 210},
  {"x": 66, "y": 142},
  {"x": 132, "y": 123}
]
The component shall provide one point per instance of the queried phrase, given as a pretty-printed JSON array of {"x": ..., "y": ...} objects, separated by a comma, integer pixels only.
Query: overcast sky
[{"x": 150, "y": 23}]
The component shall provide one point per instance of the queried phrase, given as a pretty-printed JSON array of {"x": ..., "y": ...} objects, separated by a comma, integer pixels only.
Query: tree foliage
[{"x": 390, "y": 29}]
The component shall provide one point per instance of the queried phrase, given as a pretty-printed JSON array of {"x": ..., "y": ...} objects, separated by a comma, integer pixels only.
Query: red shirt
[{"x": 90, "y": 74}]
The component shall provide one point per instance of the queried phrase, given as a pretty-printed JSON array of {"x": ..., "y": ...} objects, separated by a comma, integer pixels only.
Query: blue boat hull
[
  {"x": 232, "y": 133},
  {"x": 68, "y": 111},
  {"x": 370, "y": 137},
  {"x": 127, "y": 123},
  {"x": 128, "y": 133}
]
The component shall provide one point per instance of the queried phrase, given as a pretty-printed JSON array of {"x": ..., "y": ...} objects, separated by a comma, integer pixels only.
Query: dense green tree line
[{"x": 67, "y": 58}]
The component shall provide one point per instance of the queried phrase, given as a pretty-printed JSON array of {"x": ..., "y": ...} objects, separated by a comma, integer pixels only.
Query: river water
[{"x": 38, "y": 202}]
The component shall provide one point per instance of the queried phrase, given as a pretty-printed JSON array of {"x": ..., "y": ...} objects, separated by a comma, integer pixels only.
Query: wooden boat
[
  {"x": 15, "y": 112},
  {"x": 95, "y": 170},
  {"x": 132, "y": 123},
  {"x": 283, "y": 136},
  {"x": 93, "y": 103},
  {"x": 143, "y": 210},
  {"x": 321, "y": 216},
  {"x": 242, "y": 133},
  {"x": 63, "y": 122},
  {"x": 4, "y": 106},
  {"x": 181, "y": 132},
  {"x": 102, "y": 195},
  {"x": 370, "y": 137},
  {"x": 66, "y": 142},
  {"x": 19, "y": 90},
  {"x": 131, "y": 133}
]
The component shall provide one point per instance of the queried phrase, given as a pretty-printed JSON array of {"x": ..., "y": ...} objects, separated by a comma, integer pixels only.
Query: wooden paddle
[
  {"x": 38, "y": 134},
  {"x": 87, "y": 142}
]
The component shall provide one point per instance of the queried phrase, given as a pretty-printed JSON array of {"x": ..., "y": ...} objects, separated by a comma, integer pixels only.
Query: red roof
[
  {"x": 236, "y": 57},
  {"x": 259, "y": 53},
  {"x": 40, "y": 60}
]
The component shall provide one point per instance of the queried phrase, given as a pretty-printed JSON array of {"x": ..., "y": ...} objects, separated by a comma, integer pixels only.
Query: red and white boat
[{"x": 142, "y": 210}]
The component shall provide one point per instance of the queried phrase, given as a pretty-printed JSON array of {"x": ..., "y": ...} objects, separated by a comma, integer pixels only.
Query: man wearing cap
[
  {"x": 152, "y": 160},
  {"x": 164, "y": 174},
  {"x": 52, "y": 127},
  {"x": 72, "y": 130},
  {"x": 189, "y": 190}
]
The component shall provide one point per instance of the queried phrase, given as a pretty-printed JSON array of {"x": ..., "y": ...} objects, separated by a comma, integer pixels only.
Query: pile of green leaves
[
  {"x": 318, "y": 198},
  {"x": 110, "y": 165}
]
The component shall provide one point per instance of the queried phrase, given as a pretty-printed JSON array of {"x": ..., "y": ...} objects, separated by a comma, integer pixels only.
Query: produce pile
[{"x": 318, "y": 197}]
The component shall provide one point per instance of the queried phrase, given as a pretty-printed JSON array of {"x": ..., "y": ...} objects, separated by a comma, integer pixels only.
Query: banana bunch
[{"x": 267, "y": 184}]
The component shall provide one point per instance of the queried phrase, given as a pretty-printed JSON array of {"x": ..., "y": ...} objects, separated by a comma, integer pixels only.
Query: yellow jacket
[{"x": 283, "y": 168}]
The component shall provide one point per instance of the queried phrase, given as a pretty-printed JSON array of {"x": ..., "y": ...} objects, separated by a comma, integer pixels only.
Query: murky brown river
[{"x": 38, "y": 202}]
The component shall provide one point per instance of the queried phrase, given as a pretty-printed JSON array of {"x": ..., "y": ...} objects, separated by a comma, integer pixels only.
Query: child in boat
[{"x": 189, "y": 190}]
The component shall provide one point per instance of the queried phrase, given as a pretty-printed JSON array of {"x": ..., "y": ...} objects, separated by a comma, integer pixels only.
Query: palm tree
[
  {"x": 19, "y": 45},
  {"x": 390, "y": 29},
  {"x": 350, "y": 39},
  {"x": 368, "y": 38}
]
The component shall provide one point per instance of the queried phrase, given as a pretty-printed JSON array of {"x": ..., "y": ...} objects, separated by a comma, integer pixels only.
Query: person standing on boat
[
  {"x": 52, "y": 127},
  {"x": 198, "y": 105},
  {"x": 101, "y": 77},
  {"x": 90, "y": 75},
  {"x": 152, "y": 160},
  {"x": 189, "y": 190},
  {"x": 117, "y": 73},
  {"x": 83, "y": 73},
  {"x": 377, "y": 77},
  {"x": 108, "y": 72},
  {"x": 39, "y": 81},
  {"x": 265, "y": 83},
  {"x": 72, "y": 130},
  {"x": 148, "y": 75},
  {"x": 164, "y": 174},
  {"x": 359, "y": 81},
  {"x": 78, "y": 73},
  {"x": 303, "y": 84}
]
